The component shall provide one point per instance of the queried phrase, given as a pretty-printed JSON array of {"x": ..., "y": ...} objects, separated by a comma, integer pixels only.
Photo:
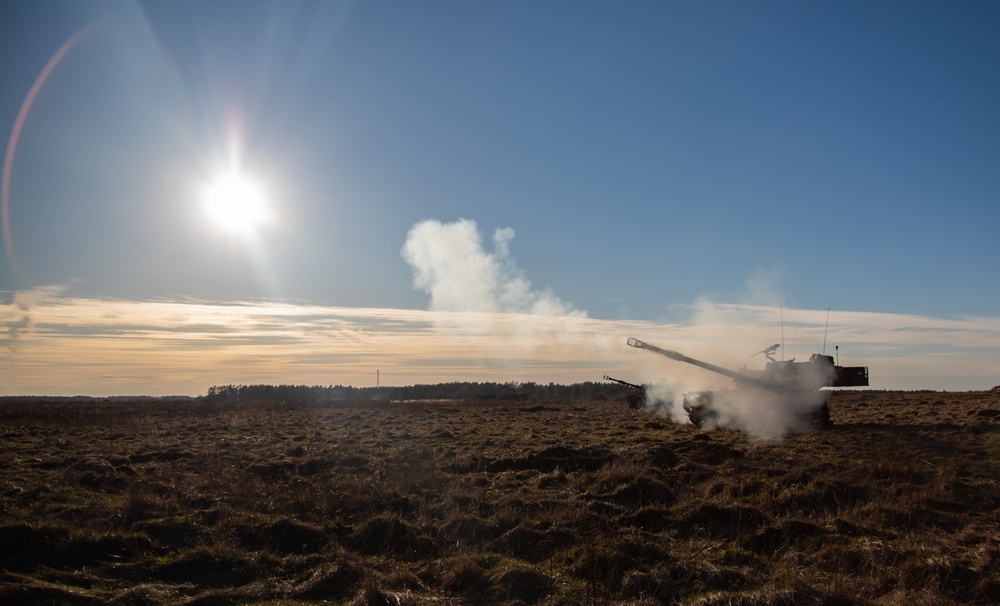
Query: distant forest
[{"x": 440, "y": 391}]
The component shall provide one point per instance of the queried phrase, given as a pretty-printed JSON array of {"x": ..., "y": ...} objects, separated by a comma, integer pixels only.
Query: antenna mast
[
  {"x": 825, "y": 330},
  {"x": 781, "y": 312}
]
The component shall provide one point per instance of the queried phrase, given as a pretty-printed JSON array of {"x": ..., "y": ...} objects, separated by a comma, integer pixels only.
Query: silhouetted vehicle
[
  {"x": 636, "y": 397},
  {"x": 793, "y": 387}
]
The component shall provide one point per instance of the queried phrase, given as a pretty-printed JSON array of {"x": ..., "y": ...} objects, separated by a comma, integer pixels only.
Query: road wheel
[
  {"x": 696, "y": 417},
  {"x": 821, "y": 420}
]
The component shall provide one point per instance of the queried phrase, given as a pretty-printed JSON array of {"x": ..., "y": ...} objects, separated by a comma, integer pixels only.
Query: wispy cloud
[{"x": 19, "y": 320}]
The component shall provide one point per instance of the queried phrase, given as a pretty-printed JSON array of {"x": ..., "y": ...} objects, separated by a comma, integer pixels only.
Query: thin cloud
[
  {"x": 110, "y": 346},
  {"x": 18, "y": 319}
]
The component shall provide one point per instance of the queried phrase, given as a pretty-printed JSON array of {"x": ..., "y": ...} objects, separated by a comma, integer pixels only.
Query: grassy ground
[{"x": 570, "y": 502}]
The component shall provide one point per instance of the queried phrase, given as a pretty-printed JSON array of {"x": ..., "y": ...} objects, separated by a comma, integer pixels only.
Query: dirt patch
[{"x": 551, "y": 459}]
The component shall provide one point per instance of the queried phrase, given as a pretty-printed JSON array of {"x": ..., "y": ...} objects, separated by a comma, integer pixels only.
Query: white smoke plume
[
  {"x": 450, "y": 264},
  {"x": 666, "y": 399},
  {"x": 759, "y": 413},
  {"x": 766, "y": 415}
]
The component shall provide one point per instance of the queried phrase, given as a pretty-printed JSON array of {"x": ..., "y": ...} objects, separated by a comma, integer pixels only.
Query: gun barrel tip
[{"x": 633, "y": 342}]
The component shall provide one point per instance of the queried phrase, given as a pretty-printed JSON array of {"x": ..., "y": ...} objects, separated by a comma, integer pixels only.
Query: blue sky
[{"x": 640, "y": 160}]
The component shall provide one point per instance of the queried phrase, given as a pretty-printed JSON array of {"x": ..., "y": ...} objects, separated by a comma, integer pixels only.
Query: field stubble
[{"x": 561, "y": 502}]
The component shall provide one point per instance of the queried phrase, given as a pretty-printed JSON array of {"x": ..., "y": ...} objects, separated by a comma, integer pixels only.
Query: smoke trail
[{"x": 450, "y": 264}]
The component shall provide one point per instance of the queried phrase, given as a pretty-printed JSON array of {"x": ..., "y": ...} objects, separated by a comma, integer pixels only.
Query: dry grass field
[{"x": 494, "y": 502}]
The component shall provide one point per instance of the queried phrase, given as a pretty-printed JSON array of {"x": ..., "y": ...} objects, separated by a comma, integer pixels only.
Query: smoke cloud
[
  {"x": 759, "y": 413},
  {"x": 451, "y": 265},
  {"x": 666, "y": 400}
]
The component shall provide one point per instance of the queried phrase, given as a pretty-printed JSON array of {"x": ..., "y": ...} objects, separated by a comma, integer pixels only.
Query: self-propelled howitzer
[
  {"x": 794, "y": 386},
  {"x": 636, "y": 397}
]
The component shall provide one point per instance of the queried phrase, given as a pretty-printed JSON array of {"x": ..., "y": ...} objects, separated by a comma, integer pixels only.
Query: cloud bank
[{"x": 119, "y": 347}]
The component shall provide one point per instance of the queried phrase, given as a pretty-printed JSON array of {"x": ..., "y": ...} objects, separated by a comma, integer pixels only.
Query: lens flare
[
  {"x": 235, "y": 203},
  {"x": 15, "y": 135}
]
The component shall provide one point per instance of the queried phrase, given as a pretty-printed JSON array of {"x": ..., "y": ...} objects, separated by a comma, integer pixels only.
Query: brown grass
[{"x": 583, "y": 502}]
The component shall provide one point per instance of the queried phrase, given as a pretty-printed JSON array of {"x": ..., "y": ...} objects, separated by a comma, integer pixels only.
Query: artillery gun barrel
[
  {"x": 625, "y": 383},
  {"x": 673, "y": 355}
]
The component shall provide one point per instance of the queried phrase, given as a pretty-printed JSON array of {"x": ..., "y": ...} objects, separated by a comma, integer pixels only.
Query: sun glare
[{"x": 235, "y": 203}]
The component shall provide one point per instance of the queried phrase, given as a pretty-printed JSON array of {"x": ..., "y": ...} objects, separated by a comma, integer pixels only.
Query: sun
[{"x": 235, "y": 203}]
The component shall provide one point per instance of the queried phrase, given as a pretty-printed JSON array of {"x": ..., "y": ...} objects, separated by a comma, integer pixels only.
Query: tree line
[{"x": 464, "y": 390}]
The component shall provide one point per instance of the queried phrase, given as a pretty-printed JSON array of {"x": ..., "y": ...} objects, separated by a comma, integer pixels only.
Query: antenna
[
  {"x": 781, "y": 311},
  {"x": 825, "y": 330}
]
